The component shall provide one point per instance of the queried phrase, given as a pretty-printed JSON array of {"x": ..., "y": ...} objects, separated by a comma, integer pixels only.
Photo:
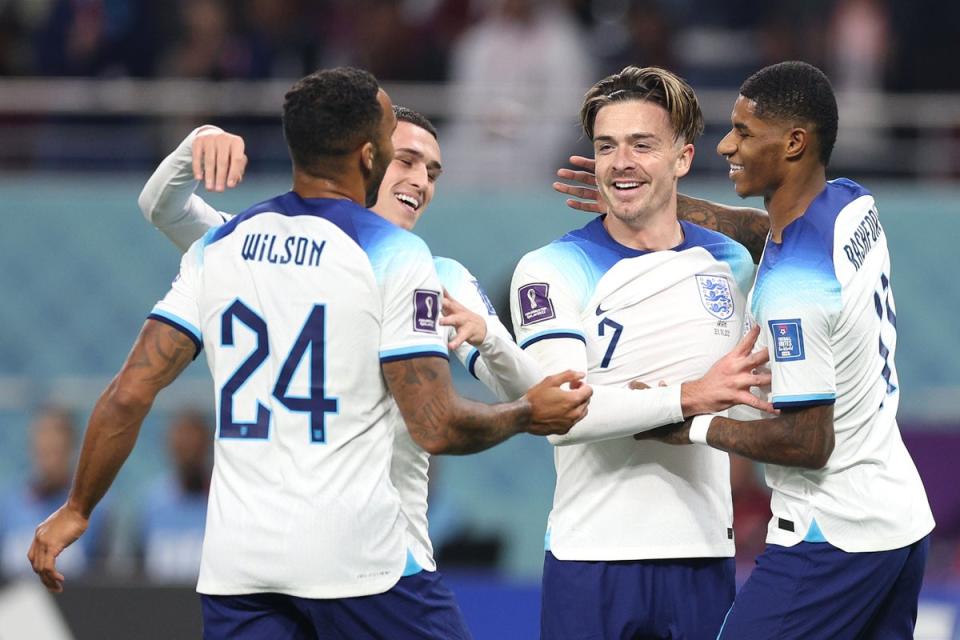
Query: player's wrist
[
  {"x": 699, "y": 427},
  {"x": 525, "y": 417},
  {"x": 693, "y": 400},
  {"x": 76, "y": 509}
]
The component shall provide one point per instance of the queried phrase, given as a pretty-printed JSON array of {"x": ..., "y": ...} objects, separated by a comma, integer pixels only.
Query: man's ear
[
  {"x": 368, "y": 153},
  {"x": 798, "y": 139},
  {"x": 685, "y": 160}
]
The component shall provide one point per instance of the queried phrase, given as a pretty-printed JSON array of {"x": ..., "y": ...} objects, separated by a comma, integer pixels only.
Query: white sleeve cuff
[{"x": 699, "y": 428}]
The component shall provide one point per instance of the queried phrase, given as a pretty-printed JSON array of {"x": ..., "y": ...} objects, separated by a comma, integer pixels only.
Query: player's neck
[
  {"x": 659, "y": 232},
  {"x": 791, "y": 199},
  {"x": 337, "y": 187}
]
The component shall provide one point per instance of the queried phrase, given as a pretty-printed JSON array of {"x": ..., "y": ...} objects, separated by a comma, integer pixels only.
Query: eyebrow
[
  {"x": 739, "y": 126},
  {"x": 433, "y": 164},
  {"x": 632, "y": 136}
]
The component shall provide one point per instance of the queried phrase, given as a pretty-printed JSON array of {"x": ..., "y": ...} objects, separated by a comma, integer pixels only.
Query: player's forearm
[
  {"x": 168, "y": 201},
  {"x": 747, "y": 226},
  {"x": 615, "y": 412},
  {"x": 474, "y": 426},
  {"x": 619, "y": 412},
  {"x": 448, "y": 424},
  {"x": 439, "y": 420},
  {"x": 170, "y": 186},
  {"x": 110, "y": 437},
  {"x": 504, "y": 367},
  {"x": 795, "y": 438},
  {"x": 159, "y": 355}
]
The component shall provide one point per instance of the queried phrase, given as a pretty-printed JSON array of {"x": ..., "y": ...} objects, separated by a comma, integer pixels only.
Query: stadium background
[{"x": 94, "y": 92}]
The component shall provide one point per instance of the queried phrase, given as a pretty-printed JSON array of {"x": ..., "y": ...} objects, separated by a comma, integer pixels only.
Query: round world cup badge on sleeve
[
  {"x": 716, "y": 296},
  {"x": 426, "y": 307},
  {"x": 535, "y": 304}
]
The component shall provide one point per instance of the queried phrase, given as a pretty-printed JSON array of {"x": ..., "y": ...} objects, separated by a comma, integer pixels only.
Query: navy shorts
[
  {"x": 628, "y": 599},
  {"x": 814, "y": 590},
  {"x": 418, "y": 607}
]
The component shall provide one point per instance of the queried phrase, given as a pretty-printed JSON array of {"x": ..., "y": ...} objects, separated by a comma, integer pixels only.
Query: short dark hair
[
  {"x": 651, "y": 84},
  {"x": 415, "y": 118},
  {"x": 330, "y": 113},
  {"x": 796, "y": 91}
]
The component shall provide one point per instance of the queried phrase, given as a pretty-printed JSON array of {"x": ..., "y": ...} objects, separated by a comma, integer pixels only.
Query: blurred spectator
[
  {"x": 858, "y": 36},
  {"x": 278, "y": 35},
  {"x": 94, "y": 37},
  {"x": 208, "y": 45},
  {"x": 52, "y": 449},
  {"x": 391, "y": 41},
  {"x": 751, "y": 511},
  {"x": 518, "y": 77},
  {"x": 175, "y": 509},
  {"x": 644, "y": 37},
  {"x": 859, "y": 33}
]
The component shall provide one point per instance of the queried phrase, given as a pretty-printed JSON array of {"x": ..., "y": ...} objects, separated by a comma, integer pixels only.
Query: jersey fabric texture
[
  {"x": 588, "y": 303},
  {"x": 296, "y": 303},
  {"x": 824, "y": 301}
]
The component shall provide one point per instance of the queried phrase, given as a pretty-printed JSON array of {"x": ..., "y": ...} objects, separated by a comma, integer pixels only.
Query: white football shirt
[
  {"x": 297, "y": 302},
  {"x": 587, "y": 303},
  {"x": 825, "y": 305},
  {"x": 168, "y": 201}
]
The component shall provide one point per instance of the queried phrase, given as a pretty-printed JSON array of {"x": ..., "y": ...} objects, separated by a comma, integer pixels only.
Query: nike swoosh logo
[{"x": 600, "y": 311}]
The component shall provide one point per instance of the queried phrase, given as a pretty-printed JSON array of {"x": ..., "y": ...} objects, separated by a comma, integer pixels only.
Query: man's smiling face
[{"x": 410, "y": 180}]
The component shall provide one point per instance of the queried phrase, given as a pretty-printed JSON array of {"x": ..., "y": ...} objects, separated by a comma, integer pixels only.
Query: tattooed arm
[
  {"x": 747, "y": 226},
  {"x": 159, "y": 355},
  {"x": 796, "y": 438},
  {"x": 441, "y": 421}
]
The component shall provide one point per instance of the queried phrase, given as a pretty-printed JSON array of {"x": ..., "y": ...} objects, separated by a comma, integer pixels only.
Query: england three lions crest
[{"x": 716, "y": 296}]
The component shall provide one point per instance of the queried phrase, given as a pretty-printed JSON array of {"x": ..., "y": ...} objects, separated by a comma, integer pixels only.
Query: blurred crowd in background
[
  {"x": 513, "y": 71},
  {"x": 897, "y": 45}
]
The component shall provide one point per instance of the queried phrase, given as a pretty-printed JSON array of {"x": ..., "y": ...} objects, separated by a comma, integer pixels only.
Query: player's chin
[{"x": 742, "y": 187}]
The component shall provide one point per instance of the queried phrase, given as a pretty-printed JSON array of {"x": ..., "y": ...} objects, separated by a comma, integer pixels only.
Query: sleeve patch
[
  {"x": 426, "y": 307},
  {"x": 787, "y": 340},
  {"x": 486, "y": 300},
  {"x": 535, "y": 303}
]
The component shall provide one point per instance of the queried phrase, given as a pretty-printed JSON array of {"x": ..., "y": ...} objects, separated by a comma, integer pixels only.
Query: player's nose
[{"x": 725, "y": 147}]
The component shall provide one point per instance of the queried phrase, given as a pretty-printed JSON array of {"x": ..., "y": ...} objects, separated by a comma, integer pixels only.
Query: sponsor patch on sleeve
[
  {"x": 535, "y": 304},
  {"x": 787, "y": 340},
  {"x": 426, "y": 308}
]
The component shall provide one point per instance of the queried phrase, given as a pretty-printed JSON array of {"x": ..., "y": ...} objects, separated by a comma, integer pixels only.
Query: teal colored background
[{"x": 80, "y": 269}]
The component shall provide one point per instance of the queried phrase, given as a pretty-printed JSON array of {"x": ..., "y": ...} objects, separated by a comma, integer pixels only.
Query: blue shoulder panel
[
  {"x": 384, "y": 241},
  {"x": 377, "y": 237},
  {"x": 450, "y": 271},
  {"x": 723, "y": 249},
  {"x": 585, "y": 255},
  {"x": 338, "y": 211},
  {"x": 805, "y": 255}
]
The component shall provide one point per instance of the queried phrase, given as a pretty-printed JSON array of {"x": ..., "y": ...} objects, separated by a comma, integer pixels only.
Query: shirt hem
[
  {"x": 563, "y": 552},
  {"x": 331, "y": 593},
  {"x": 787, "y": 539}
]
